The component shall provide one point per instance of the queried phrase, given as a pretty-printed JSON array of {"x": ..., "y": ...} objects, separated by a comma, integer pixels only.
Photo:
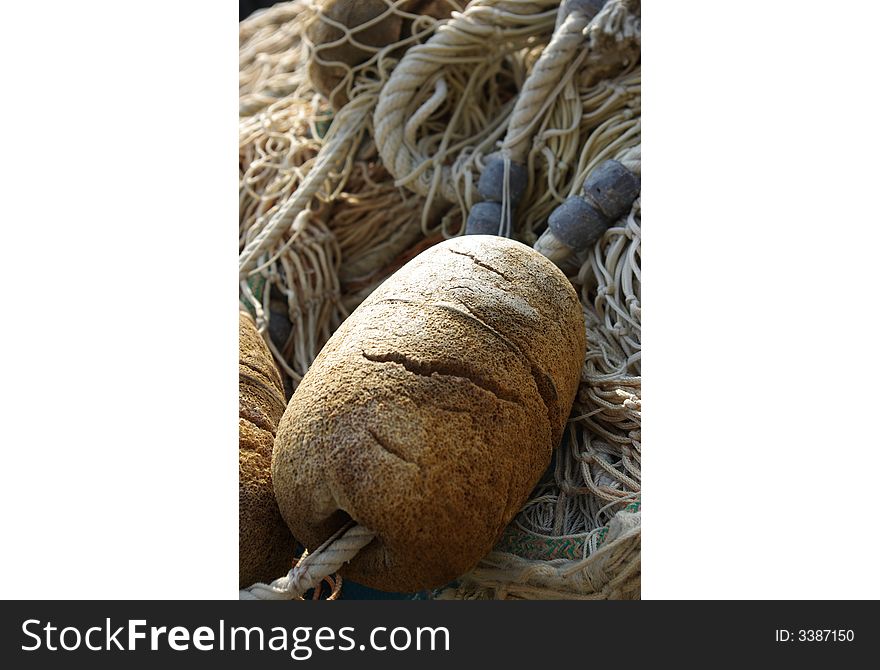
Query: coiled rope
[{"x": 500, "y": 25}]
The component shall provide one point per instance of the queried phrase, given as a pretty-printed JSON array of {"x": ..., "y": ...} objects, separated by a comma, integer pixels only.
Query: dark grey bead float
[
  {"x": 612, "y": 188},
  {"x": 491, "y": 184},
  {"x": 577, "y": 223},
  {"x": 608, "y": 194},
  {"x": 485, "y": 217}
]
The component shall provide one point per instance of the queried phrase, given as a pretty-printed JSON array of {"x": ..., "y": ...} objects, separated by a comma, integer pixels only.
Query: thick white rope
[
  {"x": 545, "y": 81},
  {"x": 465, "y": 38},
  {"x": 349, "y": 120},
  {"x": 314, "y": 567},
  {"x": 631, "y": 159}
]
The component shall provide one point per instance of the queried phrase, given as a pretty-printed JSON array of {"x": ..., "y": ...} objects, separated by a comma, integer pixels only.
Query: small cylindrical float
[
  {"x": 608, "y": 193},
  {"x": 502, "y": 181}
]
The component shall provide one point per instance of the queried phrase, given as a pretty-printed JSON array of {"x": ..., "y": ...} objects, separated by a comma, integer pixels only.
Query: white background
[{"x": 120, "y": 264}]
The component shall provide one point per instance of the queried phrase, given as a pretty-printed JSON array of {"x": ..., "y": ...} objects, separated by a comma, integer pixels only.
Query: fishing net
[{"x": 362, "y": 142}]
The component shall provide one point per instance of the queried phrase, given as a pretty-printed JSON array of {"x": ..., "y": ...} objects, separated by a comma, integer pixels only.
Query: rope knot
[{"x": 606, "y": 290}]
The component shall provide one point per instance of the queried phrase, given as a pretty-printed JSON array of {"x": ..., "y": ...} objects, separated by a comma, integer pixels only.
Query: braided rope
[
  {"x": 331, "y": 154},
  {"x": 313, "y": 568},
  {"x": 462, "y": 40},
  {"x": 545, "y": 81}
]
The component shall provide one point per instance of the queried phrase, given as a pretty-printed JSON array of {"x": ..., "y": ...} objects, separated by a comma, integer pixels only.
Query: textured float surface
[
  {"x": 265, "y": 546},
  {"x": 432, "y": 412}
]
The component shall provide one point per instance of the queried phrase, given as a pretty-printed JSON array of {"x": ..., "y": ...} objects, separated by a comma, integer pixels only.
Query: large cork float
[
  {"x": 265, "y": 545},
  {"x": 431, "y": 413}
]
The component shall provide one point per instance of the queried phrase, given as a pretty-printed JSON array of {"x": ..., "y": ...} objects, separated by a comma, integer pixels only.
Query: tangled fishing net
[{"x": 362, "y": 142}]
